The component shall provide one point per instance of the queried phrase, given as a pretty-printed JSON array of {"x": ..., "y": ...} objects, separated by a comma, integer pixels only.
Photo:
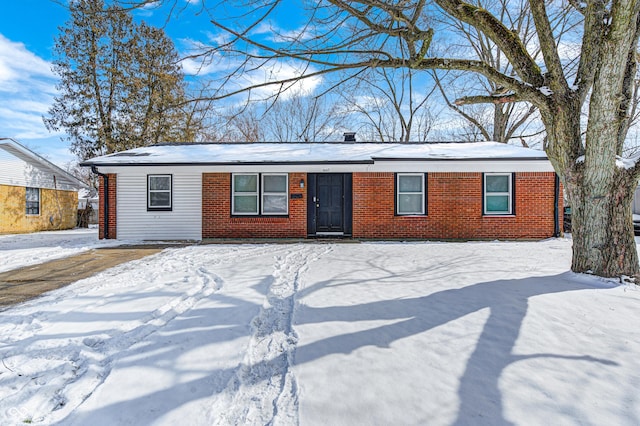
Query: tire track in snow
[
  {"x": 32, "y": 316},
  {"x": 93, "y": 363},
  {"x": 263, "y": 390},
  {"x": 207, "y": 283},
  {"x": 101, "y": 353},
  {"x": 75, "y": 369}
]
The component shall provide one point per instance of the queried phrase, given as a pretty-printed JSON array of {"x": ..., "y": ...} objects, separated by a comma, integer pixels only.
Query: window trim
[
  {"x": 26, "y": 201},
  {"x": 245, "y": 194},
  {"x": 423, "y": 204},
  {"x": 510, "y": 194},
  {"x": 170, "y": 191},
  {"x": 263, "y": 193},
  {"x": 259, "y": 195}
]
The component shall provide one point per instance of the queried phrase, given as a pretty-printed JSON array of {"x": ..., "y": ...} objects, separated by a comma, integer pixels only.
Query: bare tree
[
  {"x": 304, "y": 118},
  {"x": 497, "y": 121},
  {"x": 354, "y": 36},
  {"x": 394, "y": 103},
  {"x": 243, "y": 125}
]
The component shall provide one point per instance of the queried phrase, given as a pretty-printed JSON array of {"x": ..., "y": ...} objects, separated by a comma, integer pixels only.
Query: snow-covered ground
[
  {"x": 482, "y": 333},
  {"x": 27, "y": 249}
]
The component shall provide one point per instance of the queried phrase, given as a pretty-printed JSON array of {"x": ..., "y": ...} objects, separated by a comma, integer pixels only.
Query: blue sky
[
  {"x": 28, "y": 29},
  {"x": 27, "y": 85}
]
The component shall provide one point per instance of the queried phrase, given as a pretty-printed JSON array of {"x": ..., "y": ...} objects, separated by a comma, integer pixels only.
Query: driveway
[{"x": 26, "y": 283}]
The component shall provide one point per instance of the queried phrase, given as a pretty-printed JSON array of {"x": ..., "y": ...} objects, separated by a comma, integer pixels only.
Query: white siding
[
  {"x": 183, "y": 222},
  {"x": 15, "y": 171}
]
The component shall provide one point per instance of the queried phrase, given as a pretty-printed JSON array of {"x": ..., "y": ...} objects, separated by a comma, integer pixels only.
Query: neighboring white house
[{"x": 35, "y": 194}]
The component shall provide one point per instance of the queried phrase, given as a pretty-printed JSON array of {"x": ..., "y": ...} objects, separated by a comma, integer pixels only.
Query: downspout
[
  {"x": 105, "y": 180},
  {"x": 556, "y": 198}
]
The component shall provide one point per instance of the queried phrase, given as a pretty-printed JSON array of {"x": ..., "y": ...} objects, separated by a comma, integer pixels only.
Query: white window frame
[
  {"x": 26, "y": 200},
  {"x": 150, "y": 191},
  {"x": 486, "y": 194},
  {"x": 285, "y": 194},
  {"x": 422, "y": 193},
  {"x": 244, "y": 194}
]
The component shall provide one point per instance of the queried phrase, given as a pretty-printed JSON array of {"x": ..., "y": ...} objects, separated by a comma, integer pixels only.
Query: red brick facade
[
  {"x": 112, "y": 233},
  {"x": 217, "y": 221},
  {"x": 454, "y": 208}
]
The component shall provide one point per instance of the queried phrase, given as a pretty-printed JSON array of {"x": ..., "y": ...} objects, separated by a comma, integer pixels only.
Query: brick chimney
[{"x": 349, "y": 136}]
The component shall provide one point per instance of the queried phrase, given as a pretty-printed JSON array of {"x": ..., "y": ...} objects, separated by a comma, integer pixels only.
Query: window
[
  {"x": 254, "y": 194},
  {"x": 159, "y": 192},
  {"x": 410, "y": 194},
  {"x": 498, "y": 194},
  {"x": 245, "y": 194},
  {"x": 274, "y": 194},
  {"x": 33, "y": 201}
]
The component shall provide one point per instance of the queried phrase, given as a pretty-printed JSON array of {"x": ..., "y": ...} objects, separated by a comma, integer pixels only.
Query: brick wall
[
  {"x": 112, "y": 207},
  {"x": 217, "y": 221},
  {"x": 454, "y": 207}
]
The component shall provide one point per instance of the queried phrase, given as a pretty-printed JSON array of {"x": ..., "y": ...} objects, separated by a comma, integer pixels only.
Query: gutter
[
  {"x": 226, "y": 163},
  {"x": 105, "y": 179},
  {"x": 373, "y": 160},
  {"x": 436, "y": 159}
]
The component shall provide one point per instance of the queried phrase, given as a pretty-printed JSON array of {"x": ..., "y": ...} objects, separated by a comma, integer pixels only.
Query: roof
[
  {"x": 23, "y": 153},
  {"x": 313, "y": 153}
]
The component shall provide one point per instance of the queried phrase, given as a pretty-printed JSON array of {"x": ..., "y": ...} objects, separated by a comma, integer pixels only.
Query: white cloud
[
  {"x": 251, "y": 73},
  {"x": 27, "y": 88},
  {"x": 18, "y": 65},
  {"x": 279, "y": 71},
  {"x": 568, "y": 51},
  {"x": 220, "y": 38},
  {"x": 152, "y": 5},
  {"x": 200, "y": 67}
]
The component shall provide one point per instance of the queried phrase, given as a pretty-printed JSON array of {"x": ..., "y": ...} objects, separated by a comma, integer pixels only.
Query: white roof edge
[
  {"x": 42, "y": 161},
  {"x": 315, "y": 153},
  {"x": 391, "y": 167}
]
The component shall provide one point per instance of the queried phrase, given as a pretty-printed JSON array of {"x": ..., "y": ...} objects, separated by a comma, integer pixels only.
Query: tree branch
[
  {"x": 488, "y": 99},
  {"x": 557, "y": 83},
  {"x": 508, "y": 41},
  {"x": 524, "y": 91},
  {"x": 466, "y": 116},
  {"x": 593, "y": 36}
]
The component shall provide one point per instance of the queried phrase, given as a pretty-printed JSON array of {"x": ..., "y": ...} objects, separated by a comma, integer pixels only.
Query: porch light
[{"x": 301, "y": 183}]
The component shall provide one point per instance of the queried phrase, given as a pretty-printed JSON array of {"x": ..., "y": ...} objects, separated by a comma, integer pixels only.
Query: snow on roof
[{"x": 252, "y": 153}]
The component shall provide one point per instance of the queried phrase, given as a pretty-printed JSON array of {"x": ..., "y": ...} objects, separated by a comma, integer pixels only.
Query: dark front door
[{"x": 329, "y": 203}]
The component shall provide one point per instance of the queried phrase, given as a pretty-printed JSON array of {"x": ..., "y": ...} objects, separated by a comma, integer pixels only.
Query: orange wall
[{"x": 58, "y": 210}]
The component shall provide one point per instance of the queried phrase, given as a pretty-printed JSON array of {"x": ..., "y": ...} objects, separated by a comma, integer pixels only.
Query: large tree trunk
[
  {"x": 602, "y": 228},
  {"x": 600, "y": 194}
]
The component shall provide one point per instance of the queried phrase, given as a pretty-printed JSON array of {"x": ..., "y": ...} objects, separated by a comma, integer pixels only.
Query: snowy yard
[
  {"x": 482, "y": 333},
  {"x": 27, "y": 249}
]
